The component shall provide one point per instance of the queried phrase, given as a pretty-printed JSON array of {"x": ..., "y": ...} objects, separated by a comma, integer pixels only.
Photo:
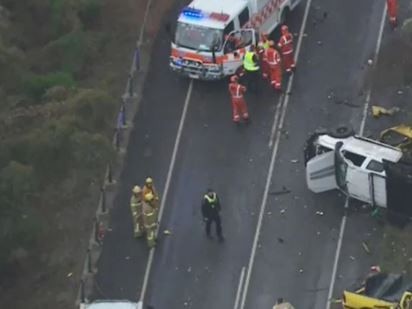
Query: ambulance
[{"x": 203, "y": 48}]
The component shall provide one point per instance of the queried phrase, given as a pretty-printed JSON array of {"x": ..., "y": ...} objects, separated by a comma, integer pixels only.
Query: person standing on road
[
  {"x": 262, "y": 48},
  {"x": 285, "y": 45},
  {"x": 211, "y": 213},
  {"x": 392, "y": 6},
  {"x": 251, "y": 69},
  {"x": 281, "y": 304},
  {"x": 149, "y": 187},
  {"x": 136, "y": 208},
  {"x": 275, "y": 67},
  {"x": 239, "y": 107},
  {"x": 150, "y": 214}
]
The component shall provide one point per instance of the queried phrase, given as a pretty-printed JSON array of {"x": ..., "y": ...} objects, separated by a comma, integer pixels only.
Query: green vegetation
[{"x": 53, "y": 131}]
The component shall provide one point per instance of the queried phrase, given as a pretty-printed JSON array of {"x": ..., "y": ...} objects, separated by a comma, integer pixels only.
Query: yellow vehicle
[
  {"x": 399, "y": 136},
  {"x": 353, "y": 300}
]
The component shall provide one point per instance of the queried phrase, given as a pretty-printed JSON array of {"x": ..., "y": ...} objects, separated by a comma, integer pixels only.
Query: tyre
[{"x": 342, "y": 132}]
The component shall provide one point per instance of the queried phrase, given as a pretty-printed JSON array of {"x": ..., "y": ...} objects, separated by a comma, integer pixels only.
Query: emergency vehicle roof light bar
[{"x": 191, "y": 12}]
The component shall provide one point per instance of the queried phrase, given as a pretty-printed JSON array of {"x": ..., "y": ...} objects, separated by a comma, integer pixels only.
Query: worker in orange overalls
[
  {"x": 262, "y": 48},
  {"x": 286, "y": 48},
  {"x": 275, "y": 66},
  {"x": 392, "y": 6},
  {"x": 239, "y": 107}
]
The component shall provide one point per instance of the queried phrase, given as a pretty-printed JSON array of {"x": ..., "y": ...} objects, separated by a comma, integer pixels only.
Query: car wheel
[{"x": 342, "y": 132}]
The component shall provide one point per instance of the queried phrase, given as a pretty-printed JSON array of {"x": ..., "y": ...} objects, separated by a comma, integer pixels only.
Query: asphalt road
[{"x": 296, "y": 249}]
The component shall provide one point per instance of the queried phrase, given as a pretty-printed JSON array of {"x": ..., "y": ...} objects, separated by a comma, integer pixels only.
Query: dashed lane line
[
  {"x": 277, "y": 132},
  {"x": 361, "y": 131}
]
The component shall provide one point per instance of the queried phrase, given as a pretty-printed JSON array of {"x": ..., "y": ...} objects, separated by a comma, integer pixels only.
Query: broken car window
[{"x": 375, "y": 166}]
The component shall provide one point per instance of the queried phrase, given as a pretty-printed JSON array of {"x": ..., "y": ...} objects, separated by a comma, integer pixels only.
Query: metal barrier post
[
  {"x": 89, "y": 261},
  {"x": 110, "y": 174},
  {"x": 131, "y": 85},
  {"x": 82, "y": 292},
  {"x": 103, "y": 192},
  {"x": 137, "y": 59}
]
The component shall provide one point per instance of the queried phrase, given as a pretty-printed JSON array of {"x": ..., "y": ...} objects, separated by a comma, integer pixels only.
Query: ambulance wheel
[{"x": 342, "y": 132}]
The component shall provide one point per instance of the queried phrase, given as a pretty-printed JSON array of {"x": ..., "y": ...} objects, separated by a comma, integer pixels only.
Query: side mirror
[{"x": 168, "y": 30}]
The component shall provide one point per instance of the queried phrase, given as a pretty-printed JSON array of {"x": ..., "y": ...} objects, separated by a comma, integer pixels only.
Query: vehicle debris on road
[{"x": 378, "y": 111}]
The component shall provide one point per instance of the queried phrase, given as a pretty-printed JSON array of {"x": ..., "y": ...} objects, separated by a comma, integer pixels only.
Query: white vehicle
[
  {"x": 111, "y": 304},
  {"x": 364, "y": 169},
  {"x": 201, "y": 48}
]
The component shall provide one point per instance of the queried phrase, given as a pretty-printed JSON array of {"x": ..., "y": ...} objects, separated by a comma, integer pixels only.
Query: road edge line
[{"x": 166, "y": 188}]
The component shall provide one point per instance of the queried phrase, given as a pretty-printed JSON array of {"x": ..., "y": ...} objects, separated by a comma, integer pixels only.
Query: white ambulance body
[
  {"x": 112, "y": 304},
  {"x": 200, "y": 48}
]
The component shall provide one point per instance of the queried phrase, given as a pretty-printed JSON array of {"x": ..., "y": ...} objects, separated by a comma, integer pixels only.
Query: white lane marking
[
  {"x": 272, "y": 161},
  {"x": 239, "y": 288},
  {"x": 337, "y": 256},
  {"x": 275, "y": 121},
  {"x": 361, "y": 131},
  {"x": 375, "y": 61},
  {"x": 166, "y": 189}
]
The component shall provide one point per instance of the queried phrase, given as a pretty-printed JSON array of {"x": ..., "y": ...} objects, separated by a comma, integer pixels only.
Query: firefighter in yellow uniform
[
  {"x": 136, "y": 208},
  {"x": 150, "y": 214},
  {"x": 149, "y": 187}
]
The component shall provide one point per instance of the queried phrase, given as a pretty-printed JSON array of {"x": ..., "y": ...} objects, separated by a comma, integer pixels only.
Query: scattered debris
[
  {"x": 377, "y": 111},
  {"x": 366, "y": 247},
  {"x": 283, "y": 191},
  {"x": 167, "y": 232},
  {"x": 346, "y": 102}
]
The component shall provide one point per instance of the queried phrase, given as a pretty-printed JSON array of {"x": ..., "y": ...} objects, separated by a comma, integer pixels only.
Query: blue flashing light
[{"x": 192, "y": 13}]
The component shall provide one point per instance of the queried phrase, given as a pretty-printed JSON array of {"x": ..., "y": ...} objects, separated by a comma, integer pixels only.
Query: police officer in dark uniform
[{"x": 211, "y": 213}]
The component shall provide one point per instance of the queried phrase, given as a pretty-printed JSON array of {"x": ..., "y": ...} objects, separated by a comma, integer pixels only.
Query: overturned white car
[{"x": 362, "y": 168}]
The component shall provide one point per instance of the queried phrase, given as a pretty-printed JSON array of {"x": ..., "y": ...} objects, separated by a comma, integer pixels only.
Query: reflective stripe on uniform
[{"x": 211, "y": 199}]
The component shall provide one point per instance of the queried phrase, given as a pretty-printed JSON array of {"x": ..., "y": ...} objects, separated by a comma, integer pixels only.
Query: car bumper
[{"x": 197, "y": 73}]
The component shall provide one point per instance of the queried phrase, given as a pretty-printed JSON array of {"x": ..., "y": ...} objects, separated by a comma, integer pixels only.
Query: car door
[
  {"x": 234, "y": 52},
  {"x": 320, "y": 173}
]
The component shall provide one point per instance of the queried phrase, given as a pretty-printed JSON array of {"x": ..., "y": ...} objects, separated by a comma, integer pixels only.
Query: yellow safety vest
[
  {"x": 211, "y": 200},
  {"x": 265, "y": 45},
  {"x": 248, "y": 63}
]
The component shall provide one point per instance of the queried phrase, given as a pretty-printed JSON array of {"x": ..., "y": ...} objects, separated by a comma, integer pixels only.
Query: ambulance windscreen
[{"x": 197, "y": 37}]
